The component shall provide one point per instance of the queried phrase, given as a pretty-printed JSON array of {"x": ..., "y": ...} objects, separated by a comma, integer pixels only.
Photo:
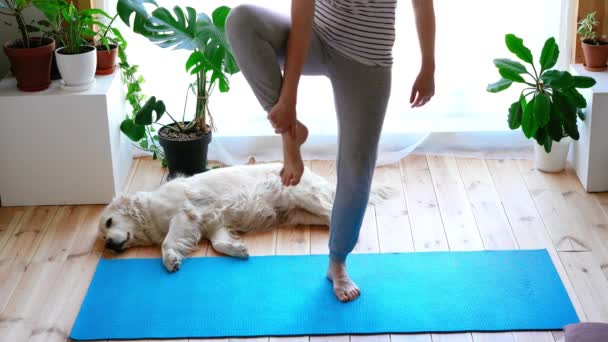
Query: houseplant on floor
[
  {"x": 184, "y": 142},
  {"x": 30, "y": 57},
  {"x": 548, "y": 107},
  {"x": 594, "y": 49}
]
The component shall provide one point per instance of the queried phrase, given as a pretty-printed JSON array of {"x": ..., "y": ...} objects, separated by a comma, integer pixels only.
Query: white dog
[{"x": 217, "y": 205}]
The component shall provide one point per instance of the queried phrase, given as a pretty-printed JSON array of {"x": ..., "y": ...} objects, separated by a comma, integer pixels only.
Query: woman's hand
[
  {"x": 423, "y": 88},
  {"x": 283, "y": 117}
]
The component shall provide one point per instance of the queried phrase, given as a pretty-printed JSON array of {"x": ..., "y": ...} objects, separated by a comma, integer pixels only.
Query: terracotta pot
[
  {"x": 32, "y": 66},
  {"x": 595, "y": 55},
  {"x": 106, "y": 59}
]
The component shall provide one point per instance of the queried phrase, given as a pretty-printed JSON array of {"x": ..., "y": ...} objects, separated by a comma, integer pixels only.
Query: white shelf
[
  {"x": 60, "y": 147},
  {"x": 589, "y": 153}
]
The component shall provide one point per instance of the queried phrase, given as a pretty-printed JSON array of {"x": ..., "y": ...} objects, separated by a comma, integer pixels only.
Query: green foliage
[
  {"x": 211, "y": 60},
  {"x": 586, "y": 28},
  {"x": 143, "y": 136},
  {"x": 554, "y": 104},
  {"x": 15, "y": 8}
]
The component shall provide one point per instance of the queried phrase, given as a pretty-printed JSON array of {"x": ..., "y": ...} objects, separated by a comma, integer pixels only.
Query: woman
[{"x": 350, "y": 42}]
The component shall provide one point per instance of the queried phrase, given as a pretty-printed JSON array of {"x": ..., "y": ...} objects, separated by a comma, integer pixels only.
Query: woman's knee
[{"x": 241, "y": 18}]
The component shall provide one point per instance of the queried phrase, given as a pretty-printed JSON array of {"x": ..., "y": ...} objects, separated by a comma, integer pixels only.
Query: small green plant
[
  {"x": 15, "y": 8},
  {"x": 210, "y": 60},
  {"x": 116, "y": 38},
  {"x": 586, "y": 28},
  {"x": 547, "y": 108}
]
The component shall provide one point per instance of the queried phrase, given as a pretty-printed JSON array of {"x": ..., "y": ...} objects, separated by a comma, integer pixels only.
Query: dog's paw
[
  {"x": 234, "y": 250},
  {"x": 240, "y": 251},
  {"x": 171, "y": 260}
]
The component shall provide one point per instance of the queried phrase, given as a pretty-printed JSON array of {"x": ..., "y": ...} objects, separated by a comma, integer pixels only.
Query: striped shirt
[{"x": 363, "y": 30}]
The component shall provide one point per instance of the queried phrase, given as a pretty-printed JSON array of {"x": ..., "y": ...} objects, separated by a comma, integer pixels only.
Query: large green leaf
[
  {"x": 516, "y": 46},
  {"x": 583, "y": 82},
  {"x": 549, "y": 55},
  {"x": 575, "y": 98},
  {"x": 571, "y": 130},
  {"x": 511, "y": 75},
  {"x": 542, "y": 109},
  {"x": 173, "y": 30},
  {"x": 554, "y": 128},
  {"x": 499, "y": 86},
  {"x": 515, "y": 113},
  {"x": 543, "y": 138},
  {"x": 133, "y": 131},
  {"x": 558, "y": 79},
  {"x": 145, "y": 115},
  {"x": 504, "y": 63},
  {"x": 215, "y": 43},
  {"x": 529, "y": 124},
  {"x": 219, "y": 16},
  {"x": 126, "y": 8}
]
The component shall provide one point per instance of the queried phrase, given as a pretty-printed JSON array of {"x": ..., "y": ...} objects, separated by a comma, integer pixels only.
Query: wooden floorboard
[{"x": 441, "y": 203}]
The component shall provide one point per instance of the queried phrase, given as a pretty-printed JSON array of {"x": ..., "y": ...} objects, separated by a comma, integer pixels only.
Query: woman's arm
[
  {"x": 283, "y": 115},
  {"x": 424, "y": 86}
]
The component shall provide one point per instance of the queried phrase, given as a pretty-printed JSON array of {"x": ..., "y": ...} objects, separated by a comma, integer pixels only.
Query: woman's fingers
[
  {"x": 421, "y": 98},
  {"x": 413, "y": 95}
]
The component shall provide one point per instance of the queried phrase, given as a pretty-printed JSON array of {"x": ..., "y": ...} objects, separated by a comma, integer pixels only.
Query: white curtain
[{"x": 470, "y": 34}]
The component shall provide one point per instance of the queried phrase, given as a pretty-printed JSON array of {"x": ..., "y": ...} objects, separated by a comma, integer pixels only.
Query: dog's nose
[{"x": 113, "y": 245}]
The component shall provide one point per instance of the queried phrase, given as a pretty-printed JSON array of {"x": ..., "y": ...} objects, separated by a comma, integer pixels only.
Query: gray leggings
[{"x": 259, "y": 38}]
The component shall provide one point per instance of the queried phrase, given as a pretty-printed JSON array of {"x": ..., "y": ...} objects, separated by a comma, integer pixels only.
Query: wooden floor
[{"x": 48, "y": 254}]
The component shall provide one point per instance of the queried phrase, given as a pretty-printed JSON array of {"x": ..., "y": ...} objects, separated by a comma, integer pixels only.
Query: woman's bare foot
[
  {"x": 344, "y": 288},
  {"x": 293, "y": 166}
]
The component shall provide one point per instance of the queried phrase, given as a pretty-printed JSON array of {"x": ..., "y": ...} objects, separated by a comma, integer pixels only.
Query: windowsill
[{"x": 601, "y": 77}]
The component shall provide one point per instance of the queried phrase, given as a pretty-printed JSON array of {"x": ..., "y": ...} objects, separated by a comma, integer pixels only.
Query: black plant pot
[
  {"x": 55, "y": 75},
  {"x": 185, "y": 156}
]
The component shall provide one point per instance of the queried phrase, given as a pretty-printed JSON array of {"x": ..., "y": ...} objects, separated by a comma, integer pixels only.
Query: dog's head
[{"x": 120, "y": 224}]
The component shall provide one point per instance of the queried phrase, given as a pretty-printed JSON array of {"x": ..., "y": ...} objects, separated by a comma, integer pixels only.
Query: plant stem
[
  {"x": 23, "y": 29},
  {"x": 175, "y": 121},
  {"x": 110, "y": 25},
  {"x": 535, "y": 73},
  {"x": 201, "y": 98}
]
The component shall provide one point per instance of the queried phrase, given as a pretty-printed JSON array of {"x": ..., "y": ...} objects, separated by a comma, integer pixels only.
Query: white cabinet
[
  {"x": 590, "y": 152},
  {"x": 60, "y": 147}
]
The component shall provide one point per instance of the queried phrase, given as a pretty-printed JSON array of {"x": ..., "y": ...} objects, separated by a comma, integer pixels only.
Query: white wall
[{"x": 9, "y": 33}]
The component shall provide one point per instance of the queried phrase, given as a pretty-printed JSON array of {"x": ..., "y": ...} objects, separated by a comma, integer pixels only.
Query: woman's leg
[
  {"x": 258, "y": 38},
  {"x": 361, "y": 97}
]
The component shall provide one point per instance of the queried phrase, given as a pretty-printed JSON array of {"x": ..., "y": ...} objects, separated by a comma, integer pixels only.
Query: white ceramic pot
[
  {"x": 77, "y": 71},
  {"x": 554, "y": 161}
]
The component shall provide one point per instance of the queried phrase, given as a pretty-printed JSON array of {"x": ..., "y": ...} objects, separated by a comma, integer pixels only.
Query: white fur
[{"x": 218, "y": 205}]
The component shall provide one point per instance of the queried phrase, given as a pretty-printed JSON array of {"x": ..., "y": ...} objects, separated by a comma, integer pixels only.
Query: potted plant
[
  {"x": 184, "y": 142},
  {"x": 548, "y": 107},
  {"x": 51, "y": 27},
  {"x": 30, "y": 57},
  {"x": 77, "y": 59},
  {"x": 107, "y": 48},
  {"x": 594, "y": 50}
]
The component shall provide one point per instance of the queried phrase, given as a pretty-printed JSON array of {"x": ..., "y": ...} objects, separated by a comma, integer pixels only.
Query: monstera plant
[
  {"x": 184, "y": 142},
  {"x": 549, "y": 105}
]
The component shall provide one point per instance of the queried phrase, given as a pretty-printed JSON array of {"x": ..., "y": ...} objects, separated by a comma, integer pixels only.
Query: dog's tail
[{"x": 380, "y": 192}]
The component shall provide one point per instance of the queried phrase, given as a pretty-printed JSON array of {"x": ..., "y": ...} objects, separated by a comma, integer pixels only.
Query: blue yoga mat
[{"x": 289, "y": 295}]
